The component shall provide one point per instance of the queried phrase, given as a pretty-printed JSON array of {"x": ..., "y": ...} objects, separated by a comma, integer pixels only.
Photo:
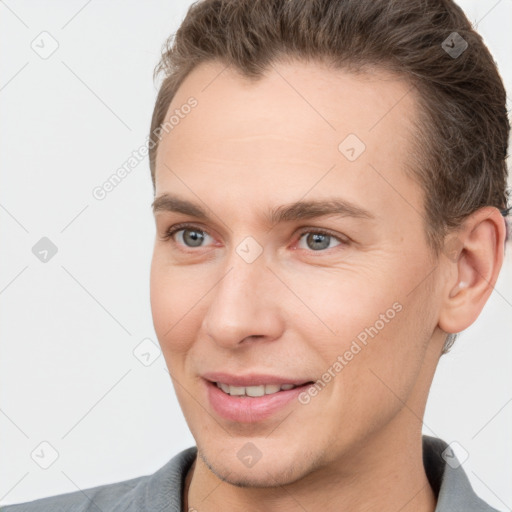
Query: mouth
[{"x": 251, "y": 399}]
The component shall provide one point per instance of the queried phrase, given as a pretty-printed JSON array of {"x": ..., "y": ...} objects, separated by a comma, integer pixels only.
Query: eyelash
[{"x": 170, "y": 232}]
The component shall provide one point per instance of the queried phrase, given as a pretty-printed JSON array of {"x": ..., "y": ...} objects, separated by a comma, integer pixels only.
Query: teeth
[
  {"x": 271, "y": 388},
  {"x": 253, "y": 391},
  {"x": 234, "y": 390},
  {"x": 224, "y": 387}
]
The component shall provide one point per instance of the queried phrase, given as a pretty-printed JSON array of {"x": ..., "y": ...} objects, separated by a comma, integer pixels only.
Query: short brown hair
[{"x": 461, "y": 146}]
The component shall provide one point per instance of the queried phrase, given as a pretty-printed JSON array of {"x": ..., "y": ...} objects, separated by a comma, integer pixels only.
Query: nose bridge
[{"x": 242, "y": 302}]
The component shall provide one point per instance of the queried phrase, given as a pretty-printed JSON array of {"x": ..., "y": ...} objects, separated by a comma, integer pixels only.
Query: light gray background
[{"x": 69, "y": 326}]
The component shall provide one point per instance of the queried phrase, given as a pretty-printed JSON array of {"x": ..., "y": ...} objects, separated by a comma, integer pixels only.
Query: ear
[{"x": 474, "y": 256}]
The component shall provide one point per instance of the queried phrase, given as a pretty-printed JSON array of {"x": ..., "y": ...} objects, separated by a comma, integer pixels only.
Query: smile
[{"x": 251, "y": 403}]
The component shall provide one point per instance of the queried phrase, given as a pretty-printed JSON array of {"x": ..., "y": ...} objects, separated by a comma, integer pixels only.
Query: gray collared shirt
[{"x": 163, "y": 490}]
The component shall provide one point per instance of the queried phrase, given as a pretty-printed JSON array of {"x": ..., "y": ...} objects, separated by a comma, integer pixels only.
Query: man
[{"x": 330, "y": 187}]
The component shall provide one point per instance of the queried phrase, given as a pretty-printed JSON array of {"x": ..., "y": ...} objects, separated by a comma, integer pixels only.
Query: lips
[{"x": 263, "y": 395}]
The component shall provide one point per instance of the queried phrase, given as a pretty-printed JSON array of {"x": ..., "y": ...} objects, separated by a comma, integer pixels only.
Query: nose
[{"x": 244, "y": 304}]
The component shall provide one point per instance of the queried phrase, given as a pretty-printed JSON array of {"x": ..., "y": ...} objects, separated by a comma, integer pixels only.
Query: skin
[{"x": 251, "y": 146}]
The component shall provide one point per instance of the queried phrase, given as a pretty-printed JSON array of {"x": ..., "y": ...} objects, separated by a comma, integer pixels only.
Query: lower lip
[{"x": 250, "y": 409}]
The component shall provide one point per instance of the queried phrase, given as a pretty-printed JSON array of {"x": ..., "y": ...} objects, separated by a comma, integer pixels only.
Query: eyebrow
[{"x": 299, "y": 210}]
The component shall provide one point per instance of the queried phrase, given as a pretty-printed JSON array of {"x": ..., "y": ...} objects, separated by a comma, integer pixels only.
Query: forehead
[
  {"x": 332, "y": 100},
  {"x": 287, "y": 130}
]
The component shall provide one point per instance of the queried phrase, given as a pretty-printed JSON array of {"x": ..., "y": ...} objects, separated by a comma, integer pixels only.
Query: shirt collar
[{"x": 448, "y": 480}]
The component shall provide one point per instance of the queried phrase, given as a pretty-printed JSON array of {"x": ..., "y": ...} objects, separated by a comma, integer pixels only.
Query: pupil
[
  {"x": 194, "y": 238},
  {"x": 318, "y": 238}
]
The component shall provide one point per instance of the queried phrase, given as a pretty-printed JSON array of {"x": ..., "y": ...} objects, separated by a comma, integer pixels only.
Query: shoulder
[
  {"x": 159, "y": 491},
  {"x": 449, "y": 480}
]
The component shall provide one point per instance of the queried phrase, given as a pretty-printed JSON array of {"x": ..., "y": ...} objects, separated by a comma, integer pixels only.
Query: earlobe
[{"x": 475, "y": 269}]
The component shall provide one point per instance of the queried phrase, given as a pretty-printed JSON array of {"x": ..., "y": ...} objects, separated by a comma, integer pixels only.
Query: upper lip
[{"x": 252, "y": 379}]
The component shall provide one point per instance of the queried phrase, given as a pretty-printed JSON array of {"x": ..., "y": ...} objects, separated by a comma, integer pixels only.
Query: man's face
[{"x": 245, "y": 294}]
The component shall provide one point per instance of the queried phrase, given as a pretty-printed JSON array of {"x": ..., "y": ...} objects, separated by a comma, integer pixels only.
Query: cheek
[
  {"x": 376, "y": 329},
  {"x": 382, "y": 375},
  {"x": 343, "y": 305},
  {"x": 174, "y": 299}
]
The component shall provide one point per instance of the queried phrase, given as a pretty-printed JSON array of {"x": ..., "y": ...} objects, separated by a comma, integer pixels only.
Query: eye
[
  {"x": 188, "y": 235},
  {"x": 319, "y": 240},
  {"x": 191, "y": 236}
]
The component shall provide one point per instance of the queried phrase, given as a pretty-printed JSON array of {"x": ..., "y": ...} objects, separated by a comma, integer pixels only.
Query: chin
[{"x": 276, "y": 471}]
